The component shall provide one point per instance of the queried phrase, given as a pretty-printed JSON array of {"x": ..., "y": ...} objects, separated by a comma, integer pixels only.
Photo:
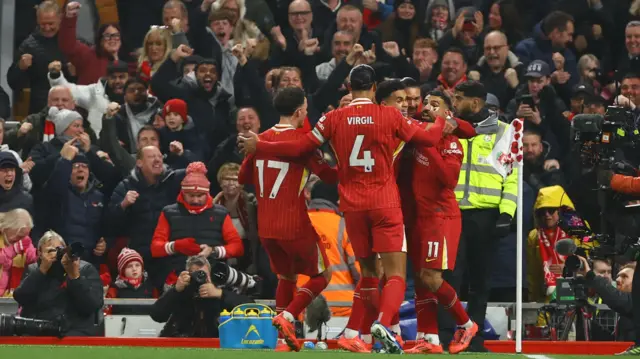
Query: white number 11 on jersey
[{"x": 366, "y": 161}]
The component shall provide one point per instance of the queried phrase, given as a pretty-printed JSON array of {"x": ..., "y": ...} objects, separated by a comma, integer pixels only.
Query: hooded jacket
[
  {"x": 541, "y": 245},
  {"x": 17, "y": 196}
]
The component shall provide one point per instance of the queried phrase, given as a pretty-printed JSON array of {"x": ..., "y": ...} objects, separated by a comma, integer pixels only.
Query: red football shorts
[
  {"x": 376, "y": 231},
  {"x": 305, "y": 256},
  {"x": 434, "y": 243}
]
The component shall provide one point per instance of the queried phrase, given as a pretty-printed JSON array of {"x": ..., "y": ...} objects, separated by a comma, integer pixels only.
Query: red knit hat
[
  {"x": 196, "y": 178},
  {"x": 178, "y": 106},
  {"x": 127, "y": 256}
]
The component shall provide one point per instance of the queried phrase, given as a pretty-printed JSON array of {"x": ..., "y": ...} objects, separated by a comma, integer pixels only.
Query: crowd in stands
[{"x": 130, "y": 100}]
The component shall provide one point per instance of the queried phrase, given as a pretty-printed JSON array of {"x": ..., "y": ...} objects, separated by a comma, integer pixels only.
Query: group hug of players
[{"x": 367, "y": 136}]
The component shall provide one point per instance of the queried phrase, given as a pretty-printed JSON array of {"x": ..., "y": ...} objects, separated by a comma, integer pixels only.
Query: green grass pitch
[{"x": 67, "y": 352}]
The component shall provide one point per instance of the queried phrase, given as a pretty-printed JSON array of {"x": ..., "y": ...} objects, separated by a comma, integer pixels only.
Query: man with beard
[
  {"x": 96, "y": 97},
  {"x": 137, "y": 202},
  {"x": 486, "y": 199},
  {"x": 498, "y": 69},
  {"x": 34, "y": 55},
  {"x": 540, "y": 168},
  {"x": 208, "y": 103},
  {"x": 12, "y": 195},
  {"x": 453, "y": 71},
  {"x": 139, "y": 110},
  {"x": 414, "y": 103}
]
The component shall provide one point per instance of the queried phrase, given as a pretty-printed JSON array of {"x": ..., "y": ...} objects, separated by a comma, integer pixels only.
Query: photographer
[
  {"x": 191, "y": 308},
  {"x": 619, "y": 299},
  {"x": 61, "y": 287}
]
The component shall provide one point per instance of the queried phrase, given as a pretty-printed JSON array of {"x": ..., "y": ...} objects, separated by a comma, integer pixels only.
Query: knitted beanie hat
[
  {"x": 178, "y": 106},
  {"x": 196, "y": 178},
  {"x": 127, "y": 256},
  {"x": 62, "y": 119}
]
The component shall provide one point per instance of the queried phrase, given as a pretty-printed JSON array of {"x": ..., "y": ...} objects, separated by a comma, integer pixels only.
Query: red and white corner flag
[{"x": 507, "y": 152}]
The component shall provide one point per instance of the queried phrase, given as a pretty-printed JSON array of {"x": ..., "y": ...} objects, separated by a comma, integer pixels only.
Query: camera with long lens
[
  {"x": 74, "y": 251},
  {"x": 224, "y": 276},
  {"x": 11, "y": 325},
  {"x": 198, "y": 278}
]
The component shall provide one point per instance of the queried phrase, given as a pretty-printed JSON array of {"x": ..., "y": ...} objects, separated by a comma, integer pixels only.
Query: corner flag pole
[{"x": 519, "y": 263}]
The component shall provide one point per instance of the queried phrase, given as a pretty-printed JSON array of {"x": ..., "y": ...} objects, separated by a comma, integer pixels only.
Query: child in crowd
[
  {"x": 131, "y": 283},
  {"x": 178, "y": 136},
  {"x": 16, "y": 248}
]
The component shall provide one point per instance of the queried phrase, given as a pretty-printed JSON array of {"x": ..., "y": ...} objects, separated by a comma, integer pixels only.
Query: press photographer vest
[{"x": 205, "y": 227}]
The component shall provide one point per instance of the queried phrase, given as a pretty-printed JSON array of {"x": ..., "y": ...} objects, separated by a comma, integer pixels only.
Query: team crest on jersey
[{"x": 487, "y": 138}]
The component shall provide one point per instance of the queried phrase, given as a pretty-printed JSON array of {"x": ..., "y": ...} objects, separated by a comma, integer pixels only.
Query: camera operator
[
  {"x": 60, "y": 286},
  {"x": 191, "y": 308},
  {"x": 619, "y": 299}
]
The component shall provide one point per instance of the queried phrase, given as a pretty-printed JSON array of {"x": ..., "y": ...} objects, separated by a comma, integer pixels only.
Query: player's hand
[
  {"x": 183, "y": 281},
  {"x": 208, "y": 290},
  {"x": 450, "y": 125},
  {"x": 248, "y": 142},
  {"x": 26, "y": 61},
  {"x": 129, "y": 199}
]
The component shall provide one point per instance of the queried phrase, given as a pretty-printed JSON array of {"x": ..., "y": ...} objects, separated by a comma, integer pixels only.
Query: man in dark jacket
[
  {"x": 208, "y": 103},
  {"x": 69, "y": 290},
  {"x": 12, "y": 193},
  {"x": 138, "y": 200},
  {"x": 34, "y": 55},
  {"x": 191, "y": 310}
]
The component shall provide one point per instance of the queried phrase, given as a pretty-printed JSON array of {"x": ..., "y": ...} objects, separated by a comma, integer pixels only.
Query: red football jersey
[
  {"x": 279, "y": 183},
  {"x": 366, "y": 138},
  {"x": 435, "y": 176}
]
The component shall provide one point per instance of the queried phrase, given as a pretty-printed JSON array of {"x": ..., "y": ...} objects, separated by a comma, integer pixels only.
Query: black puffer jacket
[
  {"x": 44, "y": 51},
  {"x": 16, "y": 197},
  {"x": 50, "y": 296}
]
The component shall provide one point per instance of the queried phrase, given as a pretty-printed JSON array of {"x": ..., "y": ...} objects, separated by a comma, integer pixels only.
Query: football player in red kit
[
  {"x": 365, "y": 138},
  {"x": 434, "y": 241},
  {"x": 285, "y": 230},
  {"x": 357, "y": 333}
]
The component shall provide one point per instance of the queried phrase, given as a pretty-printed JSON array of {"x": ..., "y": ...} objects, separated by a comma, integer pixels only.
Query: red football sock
[
  {"x": 306, "y": 294},
  {"x": 448, "y": 297},
  {"x": 284, "y": 294},
  {"x": 426, "y": 311},
  {"x": 396, "y": 318},
  {"x": 392, "y": 297},
  {"x": 370, "y": 297},
  {"x": 357, "y": 311}
]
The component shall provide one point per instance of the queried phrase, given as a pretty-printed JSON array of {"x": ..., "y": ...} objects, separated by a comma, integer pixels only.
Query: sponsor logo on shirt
[{"x": 452, "y": 150}]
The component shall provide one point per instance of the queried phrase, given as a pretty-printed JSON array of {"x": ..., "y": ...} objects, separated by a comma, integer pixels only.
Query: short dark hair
[
  {"x": 386, "y": 88},
  {"x": 288, "y": 100},
  {"x": 442, "y": 95},
  {"x": 147, "y": 128},
  {"x": 456, "y": 50},
  {"x": 326, "y": 191},
  {"x": 362, "y": 78},
  {"x": 473, "y": 89},
  {"x": 410, "y": 82},
  {"x": 135, "y": 80},
  {"x": 556, "y": 20},
  {"x": 205, "y": 61},
  {"x": 630, "y": 75},
  {"x": 533, "y": 131}
]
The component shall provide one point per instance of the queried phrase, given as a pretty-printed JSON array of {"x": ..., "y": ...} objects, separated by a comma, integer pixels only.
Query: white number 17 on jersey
[{"x": 366, "y": 161}]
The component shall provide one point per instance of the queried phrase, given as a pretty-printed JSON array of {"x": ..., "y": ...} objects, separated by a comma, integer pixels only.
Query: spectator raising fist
[
  {"x": 181, "y": 52},
  {"x": 129, "y": 199},
  {"x": 391, "y": 48},
  {"x": 55, "y": 66},
  {"x": 25, "y": 128},
  {"x": 112, "y": 110},
  {"x": 73, "y": 8},
  {"x": 355, "y": 54},
  {"x": 26, "y": 61}
]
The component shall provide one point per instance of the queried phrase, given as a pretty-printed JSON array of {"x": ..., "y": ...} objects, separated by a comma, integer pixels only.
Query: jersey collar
[{"x": 360, "y": 101}]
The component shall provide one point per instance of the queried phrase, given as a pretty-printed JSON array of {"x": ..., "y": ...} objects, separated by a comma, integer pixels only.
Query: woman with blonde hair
[
  {"x": 156, "y": 48},
  {"x": 16, "y": 248}
]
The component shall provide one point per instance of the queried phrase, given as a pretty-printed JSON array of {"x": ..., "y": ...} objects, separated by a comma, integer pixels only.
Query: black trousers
[{"x": 473, "y": 265}]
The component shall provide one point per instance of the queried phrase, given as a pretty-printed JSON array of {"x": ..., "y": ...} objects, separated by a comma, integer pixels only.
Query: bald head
[
  {"x": 60, "y": 97},
  {"x": 496, "y": 50},
  {"x": 300, "y": 15}
]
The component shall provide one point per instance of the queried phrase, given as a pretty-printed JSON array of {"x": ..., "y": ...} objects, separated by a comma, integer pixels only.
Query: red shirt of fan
[
  {"x": 366, "y": 139},
  {"x": 279, "y": 183}
]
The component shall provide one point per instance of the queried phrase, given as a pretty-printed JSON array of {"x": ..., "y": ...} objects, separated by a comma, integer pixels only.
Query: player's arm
[
  {"x": 245, "y": 175},
  {"x": 320, "y": 167},
  {"x": 464, "y": 130},
  {"x": 296, "y": 148},
  {"x": 411, "y": 132},
  {"x": 447, "y": 164}
]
